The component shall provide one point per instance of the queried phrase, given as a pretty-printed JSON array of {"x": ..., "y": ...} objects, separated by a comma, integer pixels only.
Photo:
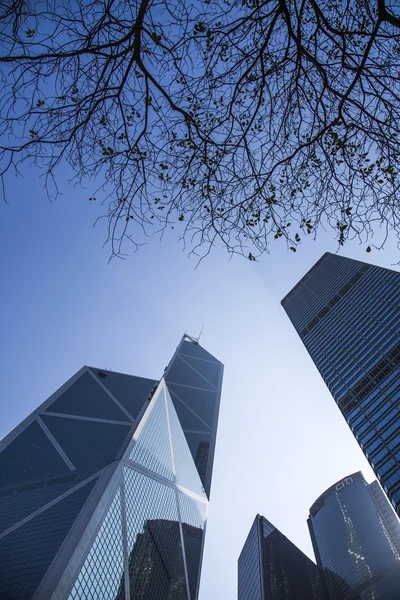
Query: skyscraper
[
  {"x": 270, "y": 567},
  {"x": 356, "y": 539},
  {"x": 347, "y": 314},
  {"x": 194, "y": 379},
  {"x": 100, "y": 497}
]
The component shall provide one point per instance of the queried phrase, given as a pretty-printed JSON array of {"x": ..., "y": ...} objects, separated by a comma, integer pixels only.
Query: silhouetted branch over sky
[{"x": 235, "y": 122}]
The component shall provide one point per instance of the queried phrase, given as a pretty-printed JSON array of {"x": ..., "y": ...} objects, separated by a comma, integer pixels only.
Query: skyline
[
  {"x": 355, "y": 535},
  {"x": 66, "y": 307}
]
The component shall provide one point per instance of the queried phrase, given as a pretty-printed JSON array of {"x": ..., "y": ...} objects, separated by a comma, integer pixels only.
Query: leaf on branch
[
  {"x": 199, "y": 28},
  {"x": 155, "y": 37}
]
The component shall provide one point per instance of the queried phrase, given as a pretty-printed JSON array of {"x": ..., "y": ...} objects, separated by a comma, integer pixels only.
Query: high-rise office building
[
  {"x": 195, "y": 394},
  {"x": 347, "y": 314},
  {"x": 356, "y": 539},
  {"x": 270, "y": 567},
  {"x": 100, "y": 495}
]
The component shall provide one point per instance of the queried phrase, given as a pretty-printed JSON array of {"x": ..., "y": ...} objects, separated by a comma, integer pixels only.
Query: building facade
[
  {"x": 347, "y": 314},
  {"x": 356, "y": 539},
  {"x": 100, "y": 495},
  {"x": 270, "y": 567},
  {"x": 194, "y": 379}
]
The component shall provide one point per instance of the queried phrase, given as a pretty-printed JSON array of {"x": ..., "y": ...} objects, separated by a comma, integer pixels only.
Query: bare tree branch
[{"x": 236, "y": 122}]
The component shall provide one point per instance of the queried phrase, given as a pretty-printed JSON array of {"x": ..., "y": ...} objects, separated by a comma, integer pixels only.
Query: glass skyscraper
[
  {"x": 347, "y": 314},
  {"x": 356, "y": 539},
  {"x": 104, "y": 488},
  {"x": 270, "y": 567},
  {"x": 195, "y": 394}
]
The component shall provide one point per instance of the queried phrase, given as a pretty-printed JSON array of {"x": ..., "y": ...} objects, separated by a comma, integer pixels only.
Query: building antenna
[
  {"x": 193, "y": 339},
  {"x": 201, "y": 331}
]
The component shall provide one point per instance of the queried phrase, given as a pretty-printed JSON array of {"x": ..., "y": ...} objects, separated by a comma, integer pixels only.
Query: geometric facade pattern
[
  {"x": 139, "y": 550},
  {"x": 347, "y": 314},
  {"x": 100, "y": 496},
  {"x": 270, "y": 567},
  {"x": 356, "y": 539},
  {"x": 194, "y": 379}
]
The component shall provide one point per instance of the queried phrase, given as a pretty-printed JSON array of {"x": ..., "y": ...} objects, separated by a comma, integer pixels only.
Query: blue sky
[{"x": 281, "y": 439}]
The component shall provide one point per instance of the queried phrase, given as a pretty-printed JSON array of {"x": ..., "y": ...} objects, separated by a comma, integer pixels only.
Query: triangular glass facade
[
  {"x": 201, "y": 420},
  {"x": 194, "y": 379},
  {"x": 88, "y": 444},
  {"x": 185, "y": 469},
  {"x": 210, "y": 371},
  {"x": 84, "y": 399},
  {"x": 154, "y": 545},
  {"x": 129, "y": 391},
  {"x": 101, "y": 488},
  {"x": 30, "y": 457},
  {"x": 34, "y": 544},
  {"x": 157, "y": 526},
  {"x": 100, "y": 577},
  {"x": 152, "y": 449}
]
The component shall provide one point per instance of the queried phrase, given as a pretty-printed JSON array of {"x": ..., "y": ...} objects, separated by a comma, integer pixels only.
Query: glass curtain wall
[{"x": 149, "y": 544}]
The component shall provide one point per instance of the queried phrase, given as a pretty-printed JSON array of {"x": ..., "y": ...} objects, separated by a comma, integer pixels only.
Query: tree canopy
[{"x": 235, "y": 121}]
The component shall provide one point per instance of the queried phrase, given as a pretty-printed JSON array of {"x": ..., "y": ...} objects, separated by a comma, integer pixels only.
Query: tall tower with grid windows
[
  {"x": 104, "y": 488},
  {"x": 347, "y": 314}
]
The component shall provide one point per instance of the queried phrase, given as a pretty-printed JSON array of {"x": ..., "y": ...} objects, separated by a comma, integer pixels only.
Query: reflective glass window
[
  {"x": 85, "y": 397},
  {"x": 102, "y": 574},
  {"x": 193, "y": 516},
  {"x": 195, "y": 350},
  {"x": 30, "y": 456},
  {"x": 201, "y": 402},
  {"x": 18, "y": 502},
  {"x": 185, "y": 468},
  {"x": 210, "y": 370},
  {"x": 88, "y": 444},
  {"x": 189, "y": 420},
  {"x": 194, "y": 380},
  {"x": 348, "y": 316},
  {"x": 351, "y": 535},
  {"x": 27, "y": 552},
  {"x": 155, "y": 560},
  {"x": 153, "y": 448},
  {"x": 130, "y": 391},
  {"x": 199, "y": 444},
  {"x": 181, "y": 372},
  {"x": 249, "y": 567}
]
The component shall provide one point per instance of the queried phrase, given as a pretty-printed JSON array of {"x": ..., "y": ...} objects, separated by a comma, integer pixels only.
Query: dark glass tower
[
  {"x": 270, "y": 567},
  {"x": 347, "y": 314},
  {"x": 100, "y": 496},
  {"x": 194, "y": 379},
  {"x": 356, "y": 539}
]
